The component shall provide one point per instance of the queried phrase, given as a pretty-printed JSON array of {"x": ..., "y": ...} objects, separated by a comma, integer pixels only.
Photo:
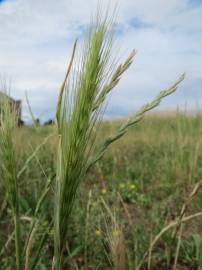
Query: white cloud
[{"x": 37, "y": 37}]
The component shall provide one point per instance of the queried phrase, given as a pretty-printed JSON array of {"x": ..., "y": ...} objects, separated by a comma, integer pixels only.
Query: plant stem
[{"x": 17, "y": 239}]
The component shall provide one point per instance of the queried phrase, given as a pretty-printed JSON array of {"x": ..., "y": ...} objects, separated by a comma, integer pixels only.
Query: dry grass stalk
[
  {"x": 115, "y": 238},
  {"x": 186, "y": 205},
  {"x": 164, "y": 230},
  {"x": 178, "y": 229},
  {"x": 178, "y": 247},
  {"x": 177, "y": 224}
]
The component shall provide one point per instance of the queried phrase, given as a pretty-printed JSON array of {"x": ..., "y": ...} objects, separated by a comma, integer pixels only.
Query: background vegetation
[{"x": 134, "y": 192}]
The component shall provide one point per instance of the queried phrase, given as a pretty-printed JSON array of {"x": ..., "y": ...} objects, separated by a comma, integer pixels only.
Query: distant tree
[
  {"x": 49, "y": 122},
  {"x": 37, "y": 122}
]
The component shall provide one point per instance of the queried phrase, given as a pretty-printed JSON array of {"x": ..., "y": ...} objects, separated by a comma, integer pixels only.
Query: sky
[{"x": 36, "y": 39}]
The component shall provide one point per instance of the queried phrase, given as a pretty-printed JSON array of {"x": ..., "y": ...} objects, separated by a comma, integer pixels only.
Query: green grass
[
  {"x": 153, "y": 178},
  {"x": 8, "y": 170},
  {"x": 80, "y": 195},
  {"x": 78, "y": 114}
]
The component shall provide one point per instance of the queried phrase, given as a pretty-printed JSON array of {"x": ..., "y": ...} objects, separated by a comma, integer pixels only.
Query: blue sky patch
[
  {"x": 195, "y": 2},
  {"x": 137, "y": 23}
]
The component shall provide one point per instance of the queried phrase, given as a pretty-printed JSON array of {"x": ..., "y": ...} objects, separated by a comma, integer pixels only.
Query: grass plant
[
  {"x": 79, "y": 111},
  {"x": 139, "y": 169},
  {"x": 8, "y": 168}
]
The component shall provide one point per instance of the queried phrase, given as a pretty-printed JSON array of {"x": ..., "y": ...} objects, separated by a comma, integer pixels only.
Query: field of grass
[
  {"x": 88, "y": 194},
  {"x": 126, "y": 200}
]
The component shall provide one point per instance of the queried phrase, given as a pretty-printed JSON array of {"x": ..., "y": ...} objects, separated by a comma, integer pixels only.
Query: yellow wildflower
[
  {"x": 103, "y": 190},
  {"x": 97, "y": 233},
  {"x": 132, "y": 186}
]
